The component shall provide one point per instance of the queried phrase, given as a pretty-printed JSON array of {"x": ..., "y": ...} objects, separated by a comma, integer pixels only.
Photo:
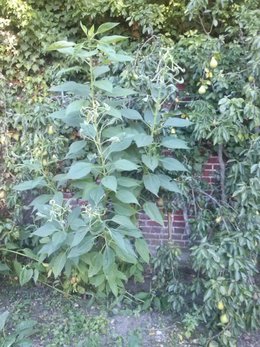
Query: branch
[{"x": 222, "y": 173}]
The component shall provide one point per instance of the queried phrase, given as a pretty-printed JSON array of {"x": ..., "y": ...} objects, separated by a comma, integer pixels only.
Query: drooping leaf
[
  {"x": 131, "y": 114},
  {"x": 142, "y": 249},
  {"x": 110, "y": 182},
  {"x": 153, "y": 212},
  {"x": 3, "y": 318},
  {"x": 126, "y": 196},
  {"x": 128, "y": 182},
  {"x": 150, "y": 161},
  {"x": 174, "y": 143},
  {"x": 177, "y": 122},
  {"x": 25, "y": 275},
  {"x": 108, "y": 259},
  {"x": 83, "y": 248},
  {"x": 125, "y": 165},
  {"x": 152, "y": 183},
  {"x": 73, "y": 87},
  {"x": 106, "y": 27},
  {"x": 124, "y": 246},
  {"x": 45, "y": 230},
  {"x": 75, "y": 149},
  {"x": 124, "y": 221},
  {"x": 168, "y": 184},
  {"x": 60, "y": 45},
  {"x": 172, "y": 164},
  {"x": 32, "y": 184},
  {"x": 58, "y": 264},
  {"x": 105, "y": 85},
  {"x": 88, "y": 130},
  {"x": 100, "y": 70},
  {"x": 79, "y": 170},
  {"x": 96, "y": 195}
]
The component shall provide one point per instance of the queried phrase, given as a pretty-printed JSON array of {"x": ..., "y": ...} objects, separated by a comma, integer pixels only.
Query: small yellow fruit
[
  {"x": 202, "y": 90},
  {"x": 224, "y": 319},
  {"x": 213, "y": 343},
  {"x": 173, "y": 131},
  {"x": 213, "y": 63},
  {"x": 251, "y": 79},
  {"x": 2, "y": 194},
  {"x": 16, "y": 136},
  {"x": 218, "y": 219},
  {"x": 160, "y": 202},
  {"x": 221, "y": 305},
  {"x": 50, "y": 130}
]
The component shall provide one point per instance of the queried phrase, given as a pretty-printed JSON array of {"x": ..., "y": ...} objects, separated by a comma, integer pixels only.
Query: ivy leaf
[
  {"x": 153, "y": 212},
  {"x": 59, "y": 263},
  {"x": 172, "y": 164},
  {"x": 127, "y": 197},
  {"x": 174, "y": 143},
  {"x": 125, "y": 165},
  {"x": 150, "y": 161},
  {"x": 142, "y": 249},
  {"x": 110, "y": 182},
  {"x": 79, "y": 170},
  {"x": 152, "y": 183}
]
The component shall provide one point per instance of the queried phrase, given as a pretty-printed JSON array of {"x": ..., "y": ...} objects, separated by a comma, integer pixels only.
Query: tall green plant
[{"x": 117, "y": 165}]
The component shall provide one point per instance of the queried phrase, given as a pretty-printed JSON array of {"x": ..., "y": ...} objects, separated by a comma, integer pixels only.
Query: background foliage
[{"x": 212, "y": 50}]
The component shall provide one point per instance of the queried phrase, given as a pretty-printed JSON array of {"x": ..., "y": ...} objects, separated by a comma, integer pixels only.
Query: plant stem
[{"x": 222, "y": 173}]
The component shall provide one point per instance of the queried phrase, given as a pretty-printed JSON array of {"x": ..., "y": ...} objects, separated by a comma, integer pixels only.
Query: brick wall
[{"x": 156, "y": 235}]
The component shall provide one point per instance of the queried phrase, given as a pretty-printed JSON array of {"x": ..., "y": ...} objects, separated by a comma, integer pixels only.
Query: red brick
[
  {"x": 179, "y": 230},
  {"x": 181, "y": 218},
  {"x": 152, "y": 223},
  {"x": 208, "y": 173},
  {"x": 208, "y": 167},
  {"x": 179, "y": 224},
  {"x": 213, "y": 159},
  {"x": 178, "y": 212}
]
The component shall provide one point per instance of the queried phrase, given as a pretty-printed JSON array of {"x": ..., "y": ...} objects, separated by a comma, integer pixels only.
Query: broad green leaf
[
  {"x": 142, "y": 249},
  {"x": 40, "y": 200},
  {"x": 96, "y": 195},
  {"x": 124, "y": 209},
  {"x": 124, "y": 221},
  {"x": 131, "y": 114},
  {"x": 28, "y": 185},
  {"x": 88, "y": 130},
  {"x": 121, "y": 58},
  {"x": 25, "y": 275},
  {"x": 152, "y": 183},
  {"x": 3, "y": 318},
  {"x": 143, "y": 140},
  {"x": 106, "y": 27},
  {"x": 177, "y": 122},
  {"x": 125, "y": 247},
  {"x": 168, "y": 184},
  {"x": 174, "y": 143},
  {"x": 114, "y": 112},
  {"x": 59, "y": 263},
  {"x": 83, "y": 248},
  {"x": 153, "y": 212},
  {"x": 128, "y": 182},
  {"x": 75, "y": 149},
  {"x": 73, "y": 87},
  {"x": 104, "y": 85},
  {"x": 112, "y": 283},
  {"x": 108, "y": 259},
  {"x": 122, "y": 92},
  {"x": 100, "y": 70},
  {"x": 112, "y": 39},
  {"x": 3, "y": 268},
  {"x": 110, "y": 182},
  {"x": 60, "y": 45},
  {"x": 79, "y": 170},
  {"x": 74, "y": 108},
  {"x": 150, "y": 161},
  {"x": 78, "y": 237},
  {"x": 96, "y": 264},
  {"x": 45, "y": 230},
  {"x": 125, "y": 165},
  {"x": 119, "y": 146},
  {"x": 172, "y": 164},
  {"x": 126, "y": 196}
]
